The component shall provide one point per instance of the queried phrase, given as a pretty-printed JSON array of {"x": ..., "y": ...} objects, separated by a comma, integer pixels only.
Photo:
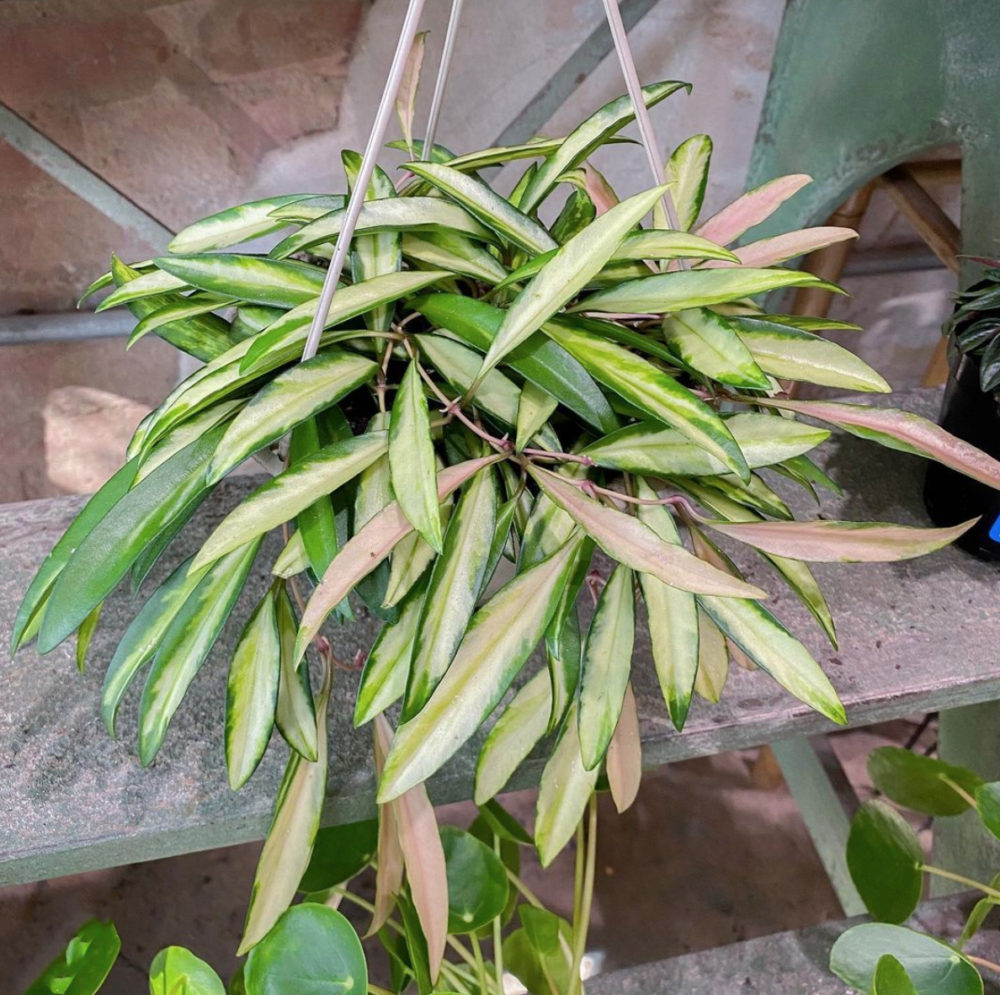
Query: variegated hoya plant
[{"x": 494, "y": 401}]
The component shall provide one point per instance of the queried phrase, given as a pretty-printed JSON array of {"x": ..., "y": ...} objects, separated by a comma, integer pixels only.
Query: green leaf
[
  {"x": 902, "y": 431},
  {"x": 688, "y": 169},
  {"x": 671, "y": 617},
  {"x": 286, "y": 337},
  {"x": 752, "y": 208},
  {"x": 187, "y": 642},
  {"x": 143, "y": 636},
  {"x": 501, "y": 637},
  {"x": 185, "y": 307},
  {"x": 921, "y": 783},
  {"x": 285, "y": 857},
  {"x": 339, "y": 853},
  {"x": 563, "y": 644},
  {"x": 251, "y": 319},
  {"x": 649, "y": 389},
  {"x": 543, "y": 362},
  {"x": 486, "y": 206},
  {"x": 891, "y": 978},
  {"x": 105, "y": 554},
  {"x": 455, "y": 582},
  {"x": 588, "y": 137},
  {"x": 977, "y": 917},
  {"x": 988, "y": 804},
  {"x": 397, "y": 214},
  {"x": 658, "y": 243},
  {"x": 566, "y": 274},
  {"x": 311, "y": 208},
  {"x": 289, "y": 493},
  {"x": 565, "y": 789},
  {"x": 627, "y": 540},
  {"x": 504, "y": 824},
  {"x": 607, "y": 663},
  {"x": 446, "y": 250},
  {"x": 772, "y": 647},
  {"x": 183, "y": 434},
  {"x": 535, "y": 408},
  {"x": 681, "y": 290},
  {"x": 367, "y": 548},
  {"x": 708, "y": 342},
  {"x": 312, "y": 950},
  {"x": 792, "y": 354},
  {"x": 288, "y": 399},
  {"x": 387, "y": 668},
  {"x": 156, "y": 281},
  {"x": 841, "y": 542},
  {"x": 295, "y": 711},
  {"x": 885, "y": 861},
  {"x": 477, "y": 881},
  {"x": 520, "y": 726},
  {"x": 411, "y": 558},
  {"x": 540, "y": 970},
  {"x": 252, "y": 691},
  {"x": 82, "y": 968},
  {"x": 406, "y": 96},
  {"x": 234, "y": 225},
  {"x": 624, "y": 760},
  {"x": 35, "y": 598},
  {"x": 933, "y": 967},
  {"x": 250, "y": 278},
  {"x": 107, "y": 279},
  {"x": 176, "y": 969},
  {"x": 577, "y": 214},
  {"x": 713, "y": 660},
  {"x": 411, "y": 458}
]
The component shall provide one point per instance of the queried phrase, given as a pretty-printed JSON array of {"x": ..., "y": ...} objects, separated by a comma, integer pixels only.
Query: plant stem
[
  {"x": 453, "y": 407},
  {"x": 984, "y": 963},
  {"x": 565, "y": 457},
  {"x": 961, "y": 879},
  {"x": 960, "y": 791},
  {"x": 498, "y": 933},
  {"x": 368, "y": 907},
  {"x": 480, "y": 966},
  {"x": 581, "y": 856},
  {"x": 454, "y": 978},
  {"x": 375, "y": 990},
  {"x": 529, "y": 896},
  {"x": 586, "y": 903}
]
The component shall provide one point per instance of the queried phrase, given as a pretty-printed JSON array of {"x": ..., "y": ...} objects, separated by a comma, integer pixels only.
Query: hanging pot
[{"x": 974, "y": 415}]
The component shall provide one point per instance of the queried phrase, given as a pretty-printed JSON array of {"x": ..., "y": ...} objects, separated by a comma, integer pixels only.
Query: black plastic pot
[{"x": 950, "y": 497}]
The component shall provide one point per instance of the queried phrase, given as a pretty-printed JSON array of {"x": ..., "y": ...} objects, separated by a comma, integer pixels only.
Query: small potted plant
[{"x": 969, "y": 410}]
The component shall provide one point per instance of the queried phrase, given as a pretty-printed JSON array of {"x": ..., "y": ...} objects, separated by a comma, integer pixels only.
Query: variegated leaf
[
  {"x": 406, "y": 96},
  {"x": 624, "y": 765},
  {"x": 752, "y": 208}
]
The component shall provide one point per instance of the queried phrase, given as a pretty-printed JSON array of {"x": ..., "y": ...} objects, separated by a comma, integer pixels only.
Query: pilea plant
[
  {"x": 887, "y": 865},
  {"x": 313, "y": 947},
  {"x": 493, "y": 399}
]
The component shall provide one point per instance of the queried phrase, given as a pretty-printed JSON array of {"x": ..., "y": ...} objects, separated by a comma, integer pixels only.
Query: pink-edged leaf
[
  {"x": 841, "y": 542},
  {"x": 626, "y": 539},
  {"x": 598, "y": 189},
  {"x": 389, "y": 875},
  {"x": 624, "y": 760},
  {"x": 364, "y": 551},
  {"x": 406, "y": 98},
  {"x": 751, "y": 209},
  {"x": 780, "y": 248},
  {"x": 423, "y": 858},
  {"x": 900, "y": 430}
]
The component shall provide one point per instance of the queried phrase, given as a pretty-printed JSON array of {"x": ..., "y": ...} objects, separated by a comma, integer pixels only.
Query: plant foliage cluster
[{"x": 494, "y": 401}]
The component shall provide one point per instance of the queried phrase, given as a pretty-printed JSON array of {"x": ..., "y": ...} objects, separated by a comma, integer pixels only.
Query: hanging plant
[{"x": 484, "y": 388}]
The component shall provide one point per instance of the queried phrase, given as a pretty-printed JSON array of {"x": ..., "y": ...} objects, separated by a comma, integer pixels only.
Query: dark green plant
[
  {"x": 887, "y": 866},
  {"x": 974, "y": 326}
]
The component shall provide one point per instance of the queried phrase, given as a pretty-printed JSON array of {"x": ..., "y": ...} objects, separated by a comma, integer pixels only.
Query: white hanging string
[
  {"x": 634, "y": 88},
  {"x": 442, "y": 78},
  {"x": 406, "y": 36}
]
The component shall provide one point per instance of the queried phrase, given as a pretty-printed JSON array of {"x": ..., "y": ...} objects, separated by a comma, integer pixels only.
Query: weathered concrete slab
[
  {"x": 915, "y": 636},
  {"x": 792, "y": 963}
]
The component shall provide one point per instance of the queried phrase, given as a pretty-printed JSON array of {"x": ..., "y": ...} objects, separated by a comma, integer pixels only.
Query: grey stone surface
[
  {"x": 915, "y": 636},
  {"x": 791, "y": 963}
]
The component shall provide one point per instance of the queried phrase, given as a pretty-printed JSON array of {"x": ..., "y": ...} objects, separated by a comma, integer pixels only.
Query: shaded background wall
[{"x": 191, "y": 106}]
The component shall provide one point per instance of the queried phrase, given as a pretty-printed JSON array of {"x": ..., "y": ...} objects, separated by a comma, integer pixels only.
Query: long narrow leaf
[
  {"x": 752, "y": 208},
  {"x": 624, "y": 764}
]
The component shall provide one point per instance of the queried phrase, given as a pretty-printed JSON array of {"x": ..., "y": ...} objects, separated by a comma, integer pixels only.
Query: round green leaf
[
  {"x": 919, "y": 782},
  {"x": 339, "y": 853},
  {"x": 312, "y": 950},
  {"x": 176, "y": 969},
  {"x": 82, "y": 967},
  {"x": 891, "y": 978},
  {"x": 933, "y": 967},
  {"x": 884, "y": 858},
  {"x": 477, "y": 881},
  {"x": 988, "y": 804}
]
